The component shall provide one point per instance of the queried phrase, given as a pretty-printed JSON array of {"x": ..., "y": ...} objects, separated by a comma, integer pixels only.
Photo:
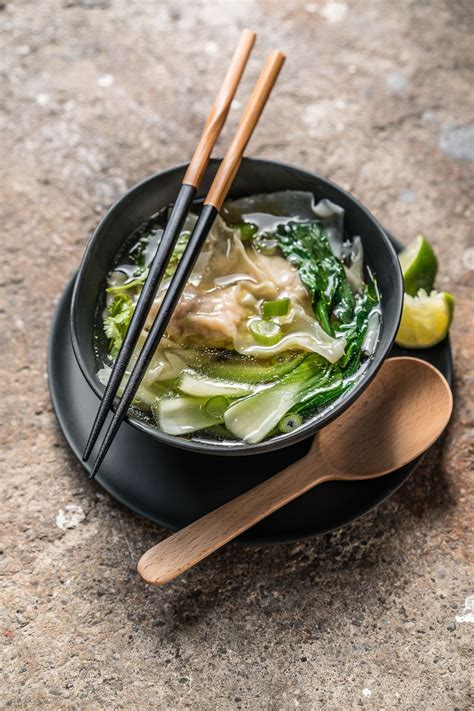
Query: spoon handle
[
  {"x": 346, "y": 449},
  {"x": 191, "y": 544}
]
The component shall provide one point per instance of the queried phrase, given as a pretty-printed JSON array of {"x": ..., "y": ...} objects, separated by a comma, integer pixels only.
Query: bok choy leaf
[
  {"x": 306, "y": 246},
  {"x": 201, "y": 386},
  {"x": 183, "y": 415},
  {"x": 245, "y": 370},
  {"x": 253, "y": 417}
]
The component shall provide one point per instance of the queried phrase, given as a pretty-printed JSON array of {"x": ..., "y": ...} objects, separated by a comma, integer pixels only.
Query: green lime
[
  {"x": 425, "y": 319},
  {"x": 419, "y": 266}
]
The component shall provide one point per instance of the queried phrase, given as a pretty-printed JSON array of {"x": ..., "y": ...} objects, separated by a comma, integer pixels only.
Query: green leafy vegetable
[
  {"x": 196, "y": 385},
  {"x": 119, "y": 314},
  {"x": 324, "y": 392},
  {"x": 343, "y": 309},
  {"x": 178, "y": 250},
  {"x": 143, "y": 261},
  {"x": 306, "y": 246},
  {"x": 243, "y": 369},
  {"x": 354, "y": 331},
  {"x": 340, "y": 312},
  {"x": 253, "y": 418}
]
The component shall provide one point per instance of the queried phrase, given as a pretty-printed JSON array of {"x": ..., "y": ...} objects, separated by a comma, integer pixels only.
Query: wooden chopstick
[
  {"x": 216, "y": 196},
  {"x": 234, "y": 154},
  {"x": 191, "y": 181},
  {"x": 219, "y": 110}
]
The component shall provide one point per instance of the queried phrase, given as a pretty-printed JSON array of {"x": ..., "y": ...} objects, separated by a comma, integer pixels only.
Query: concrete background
[{"x": 97, "y": 94}]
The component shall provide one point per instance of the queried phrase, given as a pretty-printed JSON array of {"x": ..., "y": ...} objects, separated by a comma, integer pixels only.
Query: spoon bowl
[
  {"x": 397, "y": 418},
  {"x": 401, "y": 414}
]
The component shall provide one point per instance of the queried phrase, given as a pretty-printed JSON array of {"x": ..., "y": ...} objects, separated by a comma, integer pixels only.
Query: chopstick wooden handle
[
  {"x": 219, "y": 109},
  {"x": 255, "y": 105}
]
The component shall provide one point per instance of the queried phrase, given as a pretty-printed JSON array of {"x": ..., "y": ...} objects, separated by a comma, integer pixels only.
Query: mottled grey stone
[
  {"x": 396, "y": 82},
  {"x": 458, "y": 141},
  {"x": 362, "y": 617},
  {"x": 408, "y": 196}
]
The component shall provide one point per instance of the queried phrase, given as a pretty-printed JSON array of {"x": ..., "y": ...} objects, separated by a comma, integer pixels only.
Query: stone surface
[{"x": 96, "y": 95}]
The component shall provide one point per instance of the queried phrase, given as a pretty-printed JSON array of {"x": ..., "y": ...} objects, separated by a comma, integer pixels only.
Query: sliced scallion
[
  {"x": 247, "y": 231},
  {"x": 290, "y": 422},
  {"x": 265, "y": 333},
  {"x": 279, "y": 307},
  {"x": 216, "y": 406}
]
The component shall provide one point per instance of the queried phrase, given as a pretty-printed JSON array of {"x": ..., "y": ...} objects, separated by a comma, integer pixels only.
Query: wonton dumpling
[{"x": 225, "y": 290}]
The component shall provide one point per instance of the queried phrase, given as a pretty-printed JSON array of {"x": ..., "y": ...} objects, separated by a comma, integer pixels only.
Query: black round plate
[{"x": 173, "y": 487}]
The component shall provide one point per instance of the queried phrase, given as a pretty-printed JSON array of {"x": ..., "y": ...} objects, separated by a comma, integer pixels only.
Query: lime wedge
[
  {"x": 425, "y": 319},
  {"x": 419, "y": 266}
]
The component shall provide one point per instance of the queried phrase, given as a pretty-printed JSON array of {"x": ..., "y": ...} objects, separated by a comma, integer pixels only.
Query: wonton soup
[{"x": 279, "y": 318}]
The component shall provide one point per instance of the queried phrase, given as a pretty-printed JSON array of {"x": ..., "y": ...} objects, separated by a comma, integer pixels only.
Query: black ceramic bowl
[{"x": 255, "y": 176}]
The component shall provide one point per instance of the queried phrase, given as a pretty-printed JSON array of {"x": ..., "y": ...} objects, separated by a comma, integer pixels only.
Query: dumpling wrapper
[
  {"x": 288, "y": 205},
  {"x": 224, "y": 291}
]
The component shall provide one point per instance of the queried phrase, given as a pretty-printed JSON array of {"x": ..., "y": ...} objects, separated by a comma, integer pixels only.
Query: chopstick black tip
[
  {"x": 87, "y": 452},
  {"x": 93, "y": 436},
  {"x": 94, "y": 470}
]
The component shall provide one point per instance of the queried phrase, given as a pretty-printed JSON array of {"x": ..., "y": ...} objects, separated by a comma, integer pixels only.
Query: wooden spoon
[{"x": 401, "y": 413}]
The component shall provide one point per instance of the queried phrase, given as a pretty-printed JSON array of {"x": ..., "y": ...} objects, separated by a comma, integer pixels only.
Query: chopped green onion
[
  {"x": 247, "y": 231},
  {"x": 290, "y": 422},
  {"x": 279, "y": 307},
  {"x": 266, "y": 245},
  {"x": 216, "y": 406},
  {"x": 265, "y": 333}
]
